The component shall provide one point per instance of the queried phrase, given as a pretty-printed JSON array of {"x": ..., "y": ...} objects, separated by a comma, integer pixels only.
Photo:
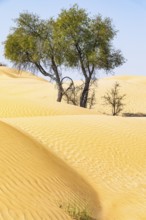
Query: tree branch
[{"x": 43, "y": 71}]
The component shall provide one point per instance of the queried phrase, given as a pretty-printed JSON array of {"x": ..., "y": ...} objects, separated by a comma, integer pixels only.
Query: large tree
[
  {"x": 74, "y": 40},
  {"x": 87, "y": 44},
  {"x": 32, "y": 45}
]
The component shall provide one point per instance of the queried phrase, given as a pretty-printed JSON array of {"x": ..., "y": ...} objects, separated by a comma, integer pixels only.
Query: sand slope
[
  {"x": 34, "y": 183},
  {"x": 110, "y": 152},
  {"x": 134, "y": 87},
  {"x": 25, "y": 95},
  {"x": 56, "y": 154}
]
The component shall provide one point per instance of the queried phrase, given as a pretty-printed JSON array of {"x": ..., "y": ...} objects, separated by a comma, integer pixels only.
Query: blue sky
[{"x": 129, "y": 18}]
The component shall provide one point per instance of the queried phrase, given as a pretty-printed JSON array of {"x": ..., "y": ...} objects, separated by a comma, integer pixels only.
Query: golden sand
[{"x": 54, "y": 154}]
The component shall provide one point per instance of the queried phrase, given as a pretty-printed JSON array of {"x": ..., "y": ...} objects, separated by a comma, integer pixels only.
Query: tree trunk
[
  {"x": 58, "y": 80},
  {"x": 84, "y": 95},
  {"x": 60, "y": 93}
]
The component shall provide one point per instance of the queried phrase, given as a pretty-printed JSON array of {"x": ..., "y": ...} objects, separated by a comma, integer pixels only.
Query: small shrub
[
  {"x": 114, "y": 99},
  {"x": 77, "y": 214},
  {"x": 3, "y": 64},
  {"x": 139, "y": 114}
]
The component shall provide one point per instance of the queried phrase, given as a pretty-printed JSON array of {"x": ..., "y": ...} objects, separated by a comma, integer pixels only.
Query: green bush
[{"x": 77, "y": 213}]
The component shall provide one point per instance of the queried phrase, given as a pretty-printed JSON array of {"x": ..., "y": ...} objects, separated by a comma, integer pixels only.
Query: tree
[
  {"x": 114, "y": 99},
  {"x": 32, "y": 45},
  {"x": 87, "y": 44},
  {"x": 74, "y": 40},
  {"x": 72, "y": 94}
]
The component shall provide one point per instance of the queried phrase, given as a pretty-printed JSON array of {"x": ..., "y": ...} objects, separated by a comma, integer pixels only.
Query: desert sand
[{"x": 54, "y": 155}]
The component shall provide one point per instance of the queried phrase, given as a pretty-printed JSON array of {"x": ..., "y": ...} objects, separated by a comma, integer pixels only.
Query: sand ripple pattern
[
  {"x": 34, "y": 183},
  {"x": 110, "y": 152},
  {"x": 52, "y": 154}
]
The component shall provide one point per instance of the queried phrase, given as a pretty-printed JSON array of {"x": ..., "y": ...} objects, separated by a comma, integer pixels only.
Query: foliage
[
  {"x": 77, "y": 213},
  {"x": 32, "y": 45},
  {"x": 114, "y": 99},
  {"x": 74, "y": 40},
  {"x": 88, "y": 44}
]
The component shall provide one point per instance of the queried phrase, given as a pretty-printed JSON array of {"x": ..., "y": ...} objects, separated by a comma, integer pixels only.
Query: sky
[{"x": 128, "y": 17}]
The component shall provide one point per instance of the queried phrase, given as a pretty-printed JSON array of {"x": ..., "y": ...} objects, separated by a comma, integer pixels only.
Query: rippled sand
[{"x": 53, "y": 154}]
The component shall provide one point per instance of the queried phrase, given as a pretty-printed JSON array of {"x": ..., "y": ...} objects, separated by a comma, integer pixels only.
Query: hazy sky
[{"x": 129, "y": 18}]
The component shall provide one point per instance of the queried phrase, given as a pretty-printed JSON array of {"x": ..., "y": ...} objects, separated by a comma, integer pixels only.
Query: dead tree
[
  {"x": 72, "y": 93},
  {"x": 114, "y": 99},
  {"x": 68, "y": 90}
]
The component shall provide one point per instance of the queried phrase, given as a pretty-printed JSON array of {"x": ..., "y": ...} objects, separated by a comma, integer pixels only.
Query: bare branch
[{"x": 114, "y": 99}]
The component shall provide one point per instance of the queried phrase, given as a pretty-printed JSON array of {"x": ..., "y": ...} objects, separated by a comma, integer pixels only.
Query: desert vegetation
[
  {"x": 71, "y": 161},
  {"x": 77, "y": 213},
  {"x": 138, "y": 114},
  {"x": 74, "y": 40},
  {"x": 114, "y": 99},
  {"x": 2, "y": 64}
]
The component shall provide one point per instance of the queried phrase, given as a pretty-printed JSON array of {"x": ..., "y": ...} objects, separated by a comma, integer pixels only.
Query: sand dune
[
  {"x": 54, "y": 154},
  {"x": 110, "y": 152},
  {"x": 34, "y": 183},
  {"x": 25, "y": 95},
  {"x": 133, "y": 86}
]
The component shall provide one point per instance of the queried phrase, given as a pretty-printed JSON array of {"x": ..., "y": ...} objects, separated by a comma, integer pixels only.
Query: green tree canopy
[
  {"x": 32, "y": 45},
  {"x": 88, "y": 44},
  {"x": 74, "y": 40}
]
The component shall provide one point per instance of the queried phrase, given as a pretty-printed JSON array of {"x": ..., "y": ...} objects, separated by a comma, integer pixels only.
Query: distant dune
[{"x": 54, "y": 155}]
